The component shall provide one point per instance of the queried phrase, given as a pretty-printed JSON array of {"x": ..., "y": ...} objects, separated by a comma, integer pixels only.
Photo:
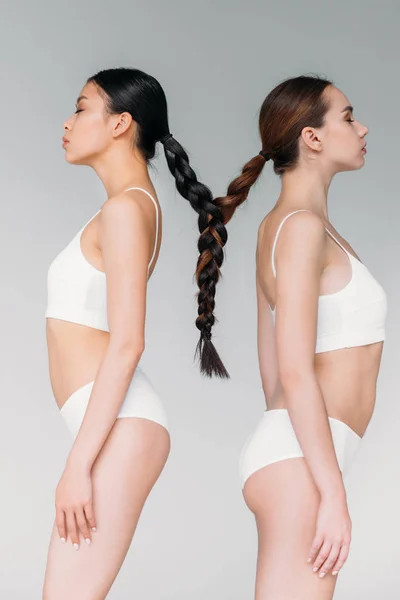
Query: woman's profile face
[
  {"x": 342, "y": 136},
  {"x": 88, "y": 132}
]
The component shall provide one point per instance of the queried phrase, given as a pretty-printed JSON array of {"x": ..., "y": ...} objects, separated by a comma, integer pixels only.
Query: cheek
[
  {"x": 90, "y": 134},
  {"x": 343, "y": 142},
  {"x": 344, "y": 148}
]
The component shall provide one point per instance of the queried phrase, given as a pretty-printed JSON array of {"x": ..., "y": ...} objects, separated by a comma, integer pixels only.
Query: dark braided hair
[
  {"x": 292, "y": 105},
  {"x": 141, "y": 95}
]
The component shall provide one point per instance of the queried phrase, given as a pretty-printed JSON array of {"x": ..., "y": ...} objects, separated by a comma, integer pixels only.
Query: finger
[
  {"x": 314, "y": 548},
  {"x": 83, "y": 525},
  {"x": 343, "y": 554},
  {"x": 89, "y": 512},
  {"x": 60, "y": 524},
  {"x": 322, "y": 556},
  {"x": 330, "y": 561},
  {"x": 72, "y": 528}
]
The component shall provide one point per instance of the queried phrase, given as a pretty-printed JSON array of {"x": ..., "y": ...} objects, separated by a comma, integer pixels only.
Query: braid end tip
[{"x": 209, "y": 360}]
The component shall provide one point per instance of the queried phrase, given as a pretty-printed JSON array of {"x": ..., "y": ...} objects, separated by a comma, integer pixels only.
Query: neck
[
  {"x": 119, "y": 169},
  {"x": 305, "y": 187}
]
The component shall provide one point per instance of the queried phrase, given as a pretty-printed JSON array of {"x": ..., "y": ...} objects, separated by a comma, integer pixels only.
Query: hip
[
  {"x": 141, "y": 401},
  {"x": 274, "y": 439}
]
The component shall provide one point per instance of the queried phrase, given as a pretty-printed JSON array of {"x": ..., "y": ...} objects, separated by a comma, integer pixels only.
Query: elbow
[
  {"x": 296, "y": 379},
  {"x": 129, "y": 352}
]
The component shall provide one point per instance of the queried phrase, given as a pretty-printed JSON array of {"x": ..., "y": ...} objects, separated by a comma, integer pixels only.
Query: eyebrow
[
  {"x": 80, "y": 98},
  {"x": 348, "y": 108}
]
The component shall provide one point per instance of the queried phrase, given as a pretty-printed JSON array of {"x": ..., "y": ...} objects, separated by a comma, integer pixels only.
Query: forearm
[
  {"x": 107, "y": 395},
  {"x": 311, "y": 425}
]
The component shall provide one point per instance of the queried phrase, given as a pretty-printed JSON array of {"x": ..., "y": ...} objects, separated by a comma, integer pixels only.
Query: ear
[
  {"x": 121, "y": 124},
  {"x": 311, "y": 139}
]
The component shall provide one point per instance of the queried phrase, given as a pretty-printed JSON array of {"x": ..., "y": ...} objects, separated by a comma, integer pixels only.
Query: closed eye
[{"x": 78, "y": 110}]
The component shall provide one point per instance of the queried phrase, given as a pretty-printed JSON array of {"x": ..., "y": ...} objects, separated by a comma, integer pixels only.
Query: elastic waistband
[
  {"x": 84, "y": 387},
  {"x": 269, "y": 412}
]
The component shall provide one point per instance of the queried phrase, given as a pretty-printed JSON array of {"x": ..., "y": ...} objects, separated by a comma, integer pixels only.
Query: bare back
[{"x": 347, "y": 376}]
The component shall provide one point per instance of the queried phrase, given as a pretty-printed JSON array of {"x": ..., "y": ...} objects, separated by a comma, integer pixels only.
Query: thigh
[
  {"x": 285, "y": 501},
  {"x": 123, "y": 475}
]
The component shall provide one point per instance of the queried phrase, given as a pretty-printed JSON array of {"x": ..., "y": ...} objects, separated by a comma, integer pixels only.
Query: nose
[
  {"x": 67, "y": 126},
  {"x": 363, "y": 130}
]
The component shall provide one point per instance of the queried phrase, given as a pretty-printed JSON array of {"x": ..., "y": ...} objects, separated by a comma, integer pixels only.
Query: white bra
[
  {"x": 76, "y": 290},
  {"x": 352, "y": 316}
]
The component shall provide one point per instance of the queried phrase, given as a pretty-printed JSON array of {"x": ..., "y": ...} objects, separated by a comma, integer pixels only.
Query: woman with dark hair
[
  {"x": 321, "y": 327},
  {"x": 95, "y": 329}
]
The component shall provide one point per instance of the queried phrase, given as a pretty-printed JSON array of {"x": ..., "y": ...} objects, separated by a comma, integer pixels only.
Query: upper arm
[
  {"x": 299, "y": 264},
  {"x": 125, "y": 236}
]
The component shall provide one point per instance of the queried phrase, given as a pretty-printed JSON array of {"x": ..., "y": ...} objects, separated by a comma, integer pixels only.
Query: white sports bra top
[
  {"x": 76, "y": 290},
  {"x": 352, "y": 316}
]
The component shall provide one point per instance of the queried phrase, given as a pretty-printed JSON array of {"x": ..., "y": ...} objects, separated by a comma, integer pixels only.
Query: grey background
[{"x": 216, "y": 61}]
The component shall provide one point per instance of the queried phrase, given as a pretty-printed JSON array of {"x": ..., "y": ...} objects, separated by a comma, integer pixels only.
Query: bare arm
[
  {"x": 299, "y": 263},
  {"x": 126, "y": 237}
]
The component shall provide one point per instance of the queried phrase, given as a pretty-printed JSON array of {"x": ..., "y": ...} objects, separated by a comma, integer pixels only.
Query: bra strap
[
  {"x": 277, "y": 233},
  {"x": 155, "y": 204},
  {"x": 336, "y": 240},
  {"x": 87, "y": 222}
]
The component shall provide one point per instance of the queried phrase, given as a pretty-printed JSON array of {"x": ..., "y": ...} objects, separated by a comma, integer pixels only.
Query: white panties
[
  {"x": 274, "y": 439},
  {"x": 141, "y": 400}
]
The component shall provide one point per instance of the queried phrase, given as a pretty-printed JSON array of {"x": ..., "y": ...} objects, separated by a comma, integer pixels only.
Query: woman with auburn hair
[
  {"x": 95, "y": 329},
  {"x": 321, "y": 329}
]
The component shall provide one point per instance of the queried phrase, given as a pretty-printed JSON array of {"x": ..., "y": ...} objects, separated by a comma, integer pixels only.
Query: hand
[
  {"x": 74, "y": 507},
  {"x": 331, "y": 544}
]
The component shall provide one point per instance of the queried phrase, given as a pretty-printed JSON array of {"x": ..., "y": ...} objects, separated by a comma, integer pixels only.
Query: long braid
[
  {"x": 239, "y": 188},
  {"x": 141, "y": 95},
  {"x": 213, "y": 237}
]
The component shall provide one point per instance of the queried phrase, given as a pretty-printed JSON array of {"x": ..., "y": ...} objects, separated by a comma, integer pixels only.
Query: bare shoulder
[
  {"x": 302, "y": 226},
  {"x": 131, "y": 204},
  {"x": 301, "y": 242}
]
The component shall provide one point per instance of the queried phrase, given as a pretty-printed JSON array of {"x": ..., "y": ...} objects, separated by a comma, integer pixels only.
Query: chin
[
  {"x": 355, "y": 166},
  {"x": 73, "y": 159},
  {"x": 361, "y": 163}
]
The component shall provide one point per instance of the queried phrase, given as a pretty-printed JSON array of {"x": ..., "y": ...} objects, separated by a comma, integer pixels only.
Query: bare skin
[
  {"x": 140, "y": 449},
  {"x": 75, "y": 351},
  {"x": 350, "y": 397},
  {"x": 300, "y": 503},
  {"x": 113, "y": 463}
]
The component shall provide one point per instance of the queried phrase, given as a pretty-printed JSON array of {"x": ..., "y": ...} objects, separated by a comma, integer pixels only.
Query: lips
[{"x": 65, "y": 141}]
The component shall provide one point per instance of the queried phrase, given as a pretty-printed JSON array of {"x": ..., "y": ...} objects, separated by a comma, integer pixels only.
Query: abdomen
[{"x": 75, "y": 353}]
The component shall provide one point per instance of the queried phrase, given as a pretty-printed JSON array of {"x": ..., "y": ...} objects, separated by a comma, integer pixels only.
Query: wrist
[
  {"x": 78, "y": 464},
  {"x": 334, "y": 492}
]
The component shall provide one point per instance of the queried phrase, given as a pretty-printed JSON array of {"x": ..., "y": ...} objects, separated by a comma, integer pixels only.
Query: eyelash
[
  {"x": 350, "y": 120},
  {"x": 78, "y": 110}
]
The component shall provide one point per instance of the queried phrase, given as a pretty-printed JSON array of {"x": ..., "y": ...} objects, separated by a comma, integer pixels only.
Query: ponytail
[
  {"x": 239, "y": 188},
  {"x": 213, "y": 237}
]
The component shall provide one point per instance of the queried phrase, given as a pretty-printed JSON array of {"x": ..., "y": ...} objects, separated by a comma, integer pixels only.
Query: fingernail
[
  {"x": 62, "y": 540},
  {"x": 88, "y": 541},
  {"x": 94, "y": 529},
  {"x": 334, "y": 573},
  {"x": 321, "y": 574},
  {"x": 315, "y": 569},
  {"x": 308, "y": 560},
  {"x": 76, "y": 546}
]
